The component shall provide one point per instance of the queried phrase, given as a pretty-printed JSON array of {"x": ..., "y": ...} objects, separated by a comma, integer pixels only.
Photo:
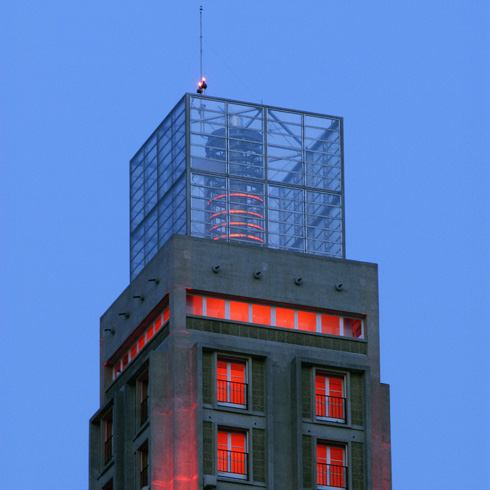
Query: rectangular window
[
  {"x": 107, "y": 427},
  {"x": 215, "y": 307},
  {"x": 142, "y": 386},
  {"x": 330, "y": 324},
  {"x": 143, "y": 464},
  {"x": 194, "y": 305},
  {"x": 330, "y": 397},
  {"x": 109, "y": 485},
  {"x": 275, "y": 316},
  {"x": 239, "y": 311},
  {"x": 284, "y": 318},
  {"x": 232, "y": 453},
  {"x": 331, "y": 469},
  {"x": 231, "y": 382},
  {"x": 307, "y": 321}
]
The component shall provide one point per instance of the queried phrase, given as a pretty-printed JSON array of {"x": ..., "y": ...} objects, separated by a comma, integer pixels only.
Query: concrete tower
[{"x": 244, "y": 354}]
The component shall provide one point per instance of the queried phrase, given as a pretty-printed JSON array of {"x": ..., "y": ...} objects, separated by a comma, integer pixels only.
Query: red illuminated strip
[
  {"x": 239, "y": 194},
  {"x": 239, "y": 235},
  {"x": 237, "y": 223},
  {"x": 140, "y": 343},
  {"x": 236, "y": 211}
]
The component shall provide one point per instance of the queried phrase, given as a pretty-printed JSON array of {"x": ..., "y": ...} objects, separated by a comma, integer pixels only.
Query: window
[
  {"x": 107, "y": 427},
  {"x": 232, "y": 453},
  {"x": 231, "y": 383},
  {"x": 143, "y": 464},
  {"x": 329, "y": 397},
  {"x": 142, "y": 408},
  {"x": 109, "y": 485},
  {"x": 331, "y": 470},
  {"x": 275, "y": 316},
  {"x": 137, "y": 346}
]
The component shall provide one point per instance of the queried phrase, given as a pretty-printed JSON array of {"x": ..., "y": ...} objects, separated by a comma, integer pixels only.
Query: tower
[{"x": 245, "y": 351}]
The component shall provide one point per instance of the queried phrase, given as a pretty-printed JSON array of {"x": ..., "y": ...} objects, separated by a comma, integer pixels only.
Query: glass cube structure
[{"x": 232, "y": 171}]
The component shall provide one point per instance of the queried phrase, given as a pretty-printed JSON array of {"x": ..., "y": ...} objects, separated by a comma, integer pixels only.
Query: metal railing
[
  {"x": 232, "y": 392},
  {"x": 331, "y": 475},
  {"x": 232, "y": 462},
  {"x": 330, "y": 406},
  {"x": 107, "y": 449}
]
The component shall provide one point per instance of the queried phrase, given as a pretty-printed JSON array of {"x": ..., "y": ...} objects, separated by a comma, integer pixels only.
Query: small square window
[
  {"x": 331, "y": 468},
  {"x": 231, "y": 382},
  {"x": 232, "y": 453},
  {"x": 330, "y": 397}
]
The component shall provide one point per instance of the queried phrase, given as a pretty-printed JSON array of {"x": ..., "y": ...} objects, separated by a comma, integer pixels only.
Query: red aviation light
[{"x": 202, "y": 85}]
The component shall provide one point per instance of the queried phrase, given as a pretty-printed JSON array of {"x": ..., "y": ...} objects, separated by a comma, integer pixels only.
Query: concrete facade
[{"x": 178, "y": 365}]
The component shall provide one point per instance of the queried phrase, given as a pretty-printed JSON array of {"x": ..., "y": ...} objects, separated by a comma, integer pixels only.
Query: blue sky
[{"x": 85, "y": 83}]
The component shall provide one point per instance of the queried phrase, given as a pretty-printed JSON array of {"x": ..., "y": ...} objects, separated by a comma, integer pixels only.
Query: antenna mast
[
  {"x": 201, "y": 86},
  {"x": 200, "y": 37}
]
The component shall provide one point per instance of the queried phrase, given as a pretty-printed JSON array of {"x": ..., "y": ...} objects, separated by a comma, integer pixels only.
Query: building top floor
[
  {"x": 240, "y": 283},
  {"x": 232, "y": 171}
]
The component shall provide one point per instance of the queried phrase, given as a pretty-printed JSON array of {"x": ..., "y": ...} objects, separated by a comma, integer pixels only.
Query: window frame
[
  {"x": 142, "y": 399},
  {"x": 229, "y": 360},
  {"x": 328, "y": 445},
  {"x": 229, "y": 431},
  {"x": 143, "y": 459},
  {"x": 291, "y": 317},
  {"x": 107, "y": 436},
  {"x": 319, "y": 372}
]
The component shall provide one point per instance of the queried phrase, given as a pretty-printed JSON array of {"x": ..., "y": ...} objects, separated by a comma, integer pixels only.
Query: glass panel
[
  {"x": 212, "y": 105},
  {"x": 261, "y": 314},
  {"x": 330, "y": 324},
  {"x": 194, "y": 305},
  {"x": 291, "y": 117},
  {"x": 284, "y": 140},
  {"x": 307, "y": 321},
  {"x": 284, "y": 318},
  {"x": 239, "y": 311},
  {"x": 245, "y": 110},
  {"x": 322, "y": 122},
  {"x": 215, "y": 307},
  {"x": 353, "y": 328}
]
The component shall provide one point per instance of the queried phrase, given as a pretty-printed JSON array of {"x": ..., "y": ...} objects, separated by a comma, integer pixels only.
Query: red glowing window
[
  {"x": 215, "y": 307},
  {"x": 158, "y": 323},
  {"x": 284, "y": 318},
  {"x": 134, "y": 351},
  {"x": 149, "y": 333},
  {"x": 331, "y": 471},
  {"x": 141, "y": 342},
  {"x": 330, "y": 324},
  {"x": 329, "y": 397},
  {"x": 307, "y": 321},
  {"x": 117, "y": 369},
  {"x": 232, "y": 453},
  {"x": 166, "y": 314},
  {"x": 231, "y": 382},
  {"x": 194, "y": 305},
  {"x": 125, "y": 360},
  {"x": 239, "y": 311},
  {"x": 261, "y": 314},
  {"x": 352, "y": 328}
]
